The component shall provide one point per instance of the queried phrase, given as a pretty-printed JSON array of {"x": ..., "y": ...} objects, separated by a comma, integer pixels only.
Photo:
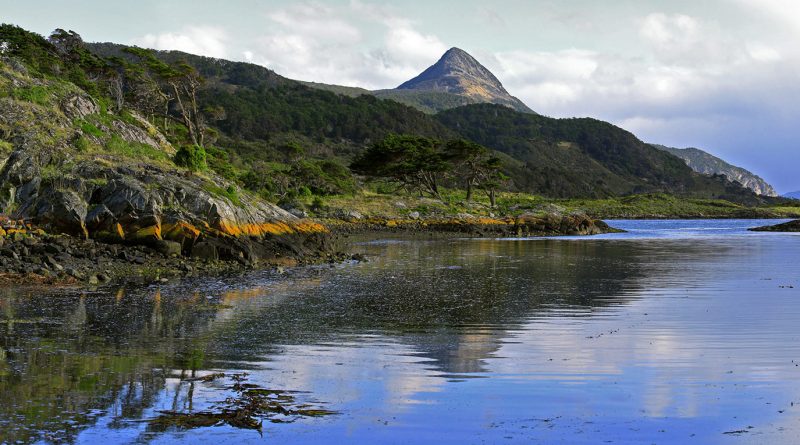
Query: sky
[{"x": 721, "y": 75}]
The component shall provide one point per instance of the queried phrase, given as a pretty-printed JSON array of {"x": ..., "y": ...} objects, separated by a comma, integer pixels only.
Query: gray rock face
[
  {"x": 348, "y": 215},
  {"x": 79, "y": 106},
  {"x": 459, "y": 73},
  {"x": 134, "y": 134},
  {"x": 708, "y": 164}
]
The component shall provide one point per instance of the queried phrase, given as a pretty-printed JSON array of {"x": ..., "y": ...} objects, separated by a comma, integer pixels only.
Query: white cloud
[
  {"x": 763, "y": 53},
  {"x": 204, "y": 40},
  {"x": 669, "y": 30},
  {"x": 407, "y": 46},
  {"x": 316, "y": 21},
  {"x": 311, "y": 41},
  {"x": 781, "y": 11}
]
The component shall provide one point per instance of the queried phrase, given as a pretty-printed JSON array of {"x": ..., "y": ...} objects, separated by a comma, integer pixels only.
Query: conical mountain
[{"x": 459, "y": 73}]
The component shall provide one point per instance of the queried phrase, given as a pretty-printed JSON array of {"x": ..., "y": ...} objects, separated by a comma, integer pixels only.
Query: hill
[
  {"x": 583, "y": 156},
  {"x": 553, "y": 157},
  {"x": 705, "y": 163}
]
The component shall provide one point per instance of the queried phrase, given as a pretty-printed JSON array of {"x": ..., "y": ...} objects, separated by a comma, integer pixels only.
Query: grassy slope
[{"x": 656, "y": 206}]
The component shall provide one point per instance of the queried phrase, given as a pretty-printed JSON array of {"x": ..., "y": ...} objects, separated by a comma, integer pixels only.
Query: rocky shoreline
[
  {"x": 520, "y": 226},
  {"x": 31, "y": 256},
  {"x": 791, "y": 226}
]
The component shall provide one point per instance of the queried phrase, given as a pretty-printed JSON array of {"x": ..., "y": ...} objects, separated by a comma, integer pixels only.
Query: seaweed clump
[{"x": 247, "y": 408}]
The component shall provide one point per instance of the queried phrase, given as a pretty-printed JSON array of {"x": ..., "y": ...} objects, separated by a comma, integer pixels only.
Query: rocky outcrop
[
  {"x": 78, "y": 106},
  {"x": 791, "y": 226},
  {"x": 145, "y": 204},
  {"x": 51, "y": 181}
]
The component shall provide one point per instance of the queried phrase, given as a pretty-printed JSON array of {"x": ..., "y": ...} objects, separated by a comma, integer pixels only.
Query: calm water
[{"x": 676, "y": 332}]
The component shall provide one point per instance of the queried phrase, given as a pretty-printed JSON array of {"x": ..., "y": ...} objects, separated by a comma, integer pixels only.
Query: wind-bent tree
[
  {"x": 172, "y": 83},
  {"x": 413, "y": 161},
  {"x": 490, "y": 178},
  {"x": 470, "y": 163}
]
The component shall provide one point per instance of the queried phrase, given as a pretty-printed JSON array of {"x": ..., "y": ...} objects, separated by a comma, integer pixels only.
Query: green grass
[
  {"x": 82, "y": 144},
  {"x": 135, "y": 150},
  {"x": 89, "y": 128},
  {"x": 35, "y": 94},
  {"x": 230, "y": 193}
]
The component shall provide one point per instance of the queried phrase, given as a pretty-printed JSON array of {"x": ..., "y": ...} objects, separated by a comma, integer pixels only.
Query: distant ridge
[
  {"x": 793, "y": 195},
  {"x": 708, "y": 164}
]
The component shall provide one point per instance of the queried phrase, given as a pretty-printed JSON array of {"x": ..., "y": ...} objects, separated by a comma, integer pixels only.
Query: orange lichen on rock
[
  {"x": 310, "y": 227},
  {"x": 489, "y": 221},
  {"x": 269, "y": 228},
  {"x": 179, "y": 231},
  {"x": 145, "y": 233},
  {"x": 118, "y": 231}
]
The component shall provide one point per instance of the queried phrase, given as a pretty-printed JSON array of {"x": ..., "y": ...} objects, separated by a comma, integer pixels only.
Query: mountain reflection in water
[{"x": 646, "y": 336}]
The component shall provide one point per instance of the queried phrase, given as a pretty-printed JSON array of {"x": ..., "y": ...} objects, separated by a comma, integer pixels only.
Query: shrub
[
  {"x": 385, "y": 188},
  {"x": 192, "y": 157},
  {"x": 90, "y": 129},
  {"x": 230, "y": 192},
  {"x": 318, "y": 204},
  {"x": 81, "y": 144},
  {"x": 6, "y": 148},
  {"x": 218, "y": 160},
  {"x": 35, "y": 94}
]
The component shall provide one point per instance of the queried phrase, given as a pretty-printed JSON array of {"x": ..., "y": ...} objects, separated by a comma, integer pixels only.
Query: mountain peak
[
  {"x": 457, "y": 72},
  {"x": 455, "y": 51}
]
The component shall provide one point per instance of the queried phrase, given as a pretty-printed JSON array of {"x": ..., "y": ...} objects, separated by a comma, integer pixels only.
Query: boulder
[
  {"x": 63, "y": 210},
  {"x": 78, "y": 106},
  {"x": 205, "y": 251},
  {"x": 168, "y": 248}
]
